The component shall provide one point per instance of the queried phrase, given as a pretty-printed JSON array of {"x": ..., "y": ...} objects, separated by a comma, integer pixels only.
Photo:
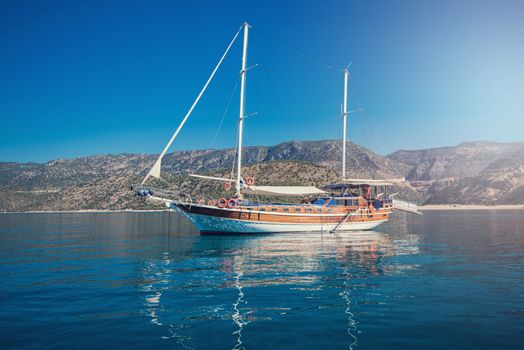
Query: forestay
[{"x": 155, "y": 170}]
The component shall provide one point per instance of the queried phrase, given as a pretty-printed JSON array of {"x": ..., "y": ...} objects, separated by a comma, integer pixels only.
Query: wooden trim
[{"x": 326, "y": 217}]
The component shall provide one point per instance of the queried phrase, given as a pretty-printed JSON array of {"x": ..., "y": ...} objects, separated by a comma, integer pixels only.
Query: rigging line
[
  {"x": 266, "y": 72},
  {"x": 377, "y": 140},
  {"x": 234, "y": 155},
  {"x": 156, "y": 166},
  {"x": 363, "y": 117},
  {"x": 376, "y": 137},
  {"x": 225, "y": 112},
  {"x": 299, "y": 51},
  {"x": 270, "y": 63}
]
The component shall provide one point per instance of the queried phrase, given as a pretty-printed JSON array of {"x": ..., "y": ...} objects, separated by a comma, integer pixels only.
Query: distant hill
[
  {"x": 470, "y": 173},
  {"x": 475, "y": 172}
]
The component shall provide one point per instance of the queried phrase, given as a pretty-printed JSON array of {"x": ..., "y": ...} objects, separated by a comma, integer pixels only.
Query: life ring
[
  {"x": 222, "y": 202},
  {"x": 231, "y": 203},
  {"x": 250, "y": 181},
  {"x": 227, "y": 186}
]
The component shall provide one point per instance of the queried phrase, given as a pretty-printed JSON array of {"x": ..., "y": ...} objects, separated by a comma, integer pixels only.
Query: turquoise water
[{"x": 447, "y": 279}]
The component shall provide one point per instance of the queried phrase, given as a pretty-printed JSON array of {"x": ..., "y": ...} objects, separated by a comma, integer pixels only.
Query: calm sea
[{"x": 444, "y": 280}]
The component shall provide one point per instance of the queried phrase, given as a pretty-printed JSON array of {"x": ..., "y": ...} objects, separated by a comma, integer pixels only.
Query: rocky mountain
[
  {"x": 479, "y": 172},
  {"x": 328, "y": 153},
  {"x": 470, "y": 173}
]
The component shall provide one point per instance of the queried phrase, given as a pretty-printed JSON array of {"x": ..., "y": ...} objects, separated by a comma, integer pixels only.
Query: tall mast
[
  {"x": 242, "y": 102},
  {"x": 346, "y": 85}
]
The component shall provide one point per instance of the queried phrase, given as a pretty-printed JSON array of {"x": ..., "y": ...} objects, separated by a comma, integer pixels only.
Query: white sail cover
[
  {"x": 212, "y": 178},
  {"x": 283, "y": 191},
  {"x": 374, "y": 182}
]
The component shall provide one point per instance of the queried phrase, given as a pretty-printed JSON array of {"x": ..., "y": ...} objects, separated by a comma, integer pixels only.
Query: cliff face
[
  {"x": 470, "y": 173},
  {"x": 475, "y": 172}
]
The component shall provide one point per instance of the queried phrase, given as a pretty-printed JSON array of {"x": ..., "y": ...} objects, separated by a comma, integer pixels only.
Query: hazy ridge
[{"x": 471, "y": 173}]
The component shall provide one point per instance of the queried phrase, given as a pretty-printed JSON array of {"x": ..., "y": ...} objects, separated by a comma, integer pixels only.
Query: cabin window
[
  {"x": 330, "y": 210},
  {"x": 352, "y": 202},
  {"x": 297, "y": 209},
  {"x": 319, "y": 210},
  {"x": 286, "y": 209},
  {"x": 262, "y": 209},
  {"x": 309, "y": 210},
  {"x": 274, "y": 209}
]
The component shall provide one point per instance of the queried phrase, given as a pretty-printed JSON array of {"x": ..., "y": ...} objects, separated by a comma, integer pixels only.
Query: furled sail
[
  {"x": 212, "y": 178},
  {"x": 155, "y": 170},
  {"x": 283, "y": 191},
  {"x": 374, "y": 182}
]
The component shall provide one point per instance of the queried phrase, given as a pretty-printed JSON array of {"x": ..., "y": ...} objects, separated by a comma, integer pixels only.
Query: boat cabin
[{"x": 358, "y": 193}]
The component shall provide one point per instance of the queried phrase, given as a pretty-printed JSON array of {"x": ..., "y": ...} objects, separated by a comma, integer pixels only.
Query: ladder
[{"x": 348, "y": 215}]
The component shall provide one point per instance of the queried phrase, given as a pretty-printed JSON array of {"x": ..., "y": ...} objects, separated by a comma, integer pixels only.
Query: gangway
[{"x": 406, "y": 206}]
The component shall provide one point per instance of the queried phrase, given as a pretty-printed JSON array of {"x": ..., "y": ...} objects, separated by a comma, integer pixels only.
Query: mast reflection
[
  {"x": 294, "y": 265},
  {"x": 238, "y": 317}
]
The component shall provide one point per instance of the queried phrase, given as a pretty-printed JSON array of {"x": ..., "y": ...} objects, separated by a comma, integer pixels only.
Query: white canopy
[
  {"x": 212, "y": 178},
  {"x": 283, "y": 191},
  {"x": 373, "y": 182}
]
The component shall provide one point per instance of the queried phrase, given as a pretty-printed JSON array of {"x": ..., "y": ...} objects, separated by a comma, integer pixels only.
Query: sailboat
[{"x": 352, "y": 204}]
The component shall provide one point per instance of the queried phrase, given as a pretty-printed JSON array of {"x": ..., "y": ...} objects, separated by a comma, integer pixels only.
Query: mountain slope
[
  {"x": 328, "y": 153},
  {"x": 470, "y": 173},
  {"x": 103, "y": 181}
]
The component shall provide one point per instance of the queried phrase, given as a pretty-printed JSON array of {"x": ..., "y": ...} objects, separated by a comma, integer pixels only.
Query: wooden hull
[{"x": 214, "y": 220}]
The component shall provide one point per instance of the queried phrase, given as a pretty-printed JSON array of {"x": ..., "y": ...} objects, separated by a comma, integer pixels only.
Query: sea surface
[{"x": 443, "y": 280}]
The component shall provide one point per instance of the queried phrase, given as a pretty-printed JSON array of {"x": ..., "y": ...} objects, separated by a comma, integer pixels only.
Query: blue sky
[{"x": 80, "y": 78}]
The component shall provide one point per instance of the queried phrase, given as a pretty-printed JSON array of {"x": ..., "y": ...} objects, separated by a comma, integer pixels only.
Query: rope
[
  {"x": 225, "y": 112},
  {"x": 365, "y": 126},
  {"x": 300, "y": 52},
  {"x": 234, "y": 156},
  {"x": 272, "y": 85},
  {"x": 158, "y": 161}
]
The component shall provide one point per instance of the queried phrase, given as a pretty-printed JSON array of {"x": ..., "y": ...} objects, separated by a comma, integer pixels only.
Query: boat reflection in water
[
  {"x": 239, "y": 283},
  {"x": 149, "y": 281}
]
